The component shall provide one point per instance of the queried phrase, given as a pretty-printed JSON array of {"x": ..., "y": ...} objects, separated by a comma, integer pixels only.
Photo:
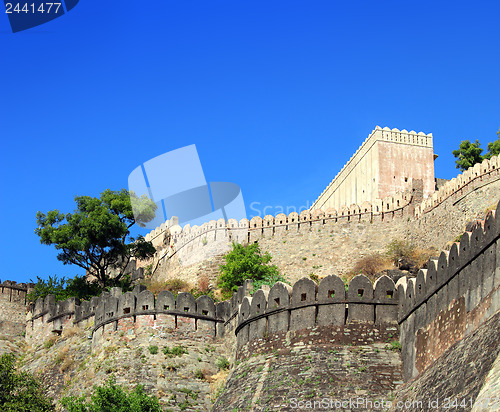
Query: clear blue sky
[{"x": 276, "y": 95}]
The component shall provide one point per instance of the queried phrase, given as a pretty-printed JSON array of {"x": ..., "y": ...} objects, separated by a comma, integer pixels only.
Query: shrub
[
  {"x": 20, "y": 391},
  {"x": 222, "y": 363},
  {"x": 153, "y": 349},
  {"x": 269, "y": 280},
  {"x": 407, "y": 257},
  {"x": 314, "y": 277},
  {"x": 175, "y": 351},
  {"x": 395, "y": 346},
  {"x": 245, "y": 262},
  {"x": 199, "y": 374},
  {"x": 176, "y": 285},
  {"x": 111, "y": 397},
  {"x": 399, "y": 249}
]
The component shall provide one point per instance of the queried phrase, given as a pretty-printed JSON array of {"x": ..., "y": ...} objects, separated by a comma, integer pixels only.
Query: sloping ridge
[{"x": 458, "y": 375}]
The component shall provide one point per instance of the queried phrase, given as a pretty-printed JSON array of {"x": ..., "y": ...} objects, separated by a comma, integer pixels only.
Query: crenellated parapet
[
  {"x": 306, "y": 305},
  {"x": 195, "y": 243},
  {"x": 474, "y": 177},
  {"x": 452, "y": 296},
  {"x": 130, "y": 313},
  {"x": 15, "y": 292}
]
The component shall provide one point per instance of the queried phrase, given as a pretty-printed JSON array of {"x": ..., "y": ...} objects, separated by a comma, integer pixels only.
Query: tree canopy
[
  {"x": 468, "y": 153},
  {"x": 247, "y": 262},
  {"x": 96, "y": 236},
  {"x": 111, "y": 397},
  {"x": 20, "y": 391}
]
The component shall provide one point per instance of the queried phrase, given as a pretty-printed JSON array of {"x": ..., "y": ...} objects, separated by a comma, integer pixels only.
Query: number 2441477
[{"x": 32, "y": 8}]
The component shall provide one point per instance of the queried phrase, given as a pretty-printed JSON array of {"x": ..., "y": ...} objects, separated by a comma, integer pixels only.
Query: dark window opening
[
  {"x": 126, "y": 310},
  {"x": 166, "y": 307},
  {"x": 390, "y": 294},
  {"x": 277, "y": 301},
  {"x": 361, "y": 292},
  {"x": 186, "y": 309},
  {"x": 303, "y": 297},
  {"x": 331, "y": 293},
  {"x": 145, "y": 307},
  {"x": 204, "y": 312}
]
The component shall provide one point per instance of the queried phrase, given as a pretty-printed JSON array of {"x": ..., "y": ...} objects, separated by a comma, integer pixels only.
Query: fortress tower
[{"x": 386, "y": 163}]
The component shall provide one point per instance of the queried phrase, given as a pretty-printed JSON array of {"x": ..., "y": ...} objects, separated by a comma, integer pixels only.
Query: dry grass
[
  {"x": 402, "y": 251},
  {"x": 422, "y": 256},
  {"x": 71, "y": 331},
  {"x": 50, "y": 341},
  {"x": 203, "y": 283},
  {"x": 174, "y": 285},
  {"x": 372, "y": 264},
  {"x": 61, "y": 355},
  {"x": 67, "y": 364},
  {"x": 217, "y": 383}
]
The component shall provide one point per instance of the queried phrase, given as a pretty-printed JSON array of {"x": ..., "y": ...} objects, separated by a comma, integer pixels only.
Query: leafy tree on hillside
[
  {"x": 19, "y": 391},
  {"x": 96, "y": 235},
  {"x": 246, "y": 262},
  {"x": 493, "y": 147},
  {"x": 468, "y": 154}
]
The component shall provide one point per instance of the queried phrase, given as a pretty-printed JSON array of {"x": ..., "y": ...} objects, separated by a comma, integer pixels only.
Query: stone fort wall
[
  {"x": 343, "y": 334},
  {"x": 452, "y": 297},
  {"x": 321, "y": 242}
]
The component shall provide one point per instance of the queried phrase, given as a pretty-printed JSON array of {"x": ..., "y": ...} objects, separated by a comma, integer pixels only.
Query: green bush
[
  {"x": 175, "y": 351},
  {"x": 20, "y": 391},
  {"x": 222, "y": 363},
  {"x": 112, "y": 398},
  {"x": 153, "y": 349},
  {"x": 268, "y": 280},
  {"x": 400, "y": 249},
  {"x": 245, "y": 262}
]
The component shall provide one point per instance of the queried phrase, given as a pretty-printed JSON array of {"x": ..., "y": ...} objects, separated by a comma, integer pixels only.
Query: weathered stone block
[
  {"x": 303, "y": 292},
  {"x": 126, "y": 304},
  {"x": 185, "y": 303},
  {"x": 360, "y": 295},
  {"x": 279, "y": 297},
  {"x": 258, "y": 328},
  {"x": 205, "y": 306},
  {"x": 385, "y": 292},
  {"x": 331, "y": 289}
]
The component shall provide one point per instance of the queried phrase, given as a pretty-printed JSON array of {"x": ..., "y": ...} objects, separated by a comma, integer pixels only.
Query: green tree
[
  {"x": 96, "y": 236},
  {"x": 112, "y": 398},
  {"x": 245, "y": 262},
  {"x": 468, "y": 154},
  {"x": 20, "y": 391},
  {"x": 493, "y": 147},
  {"x": 62, "y": 288}
]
